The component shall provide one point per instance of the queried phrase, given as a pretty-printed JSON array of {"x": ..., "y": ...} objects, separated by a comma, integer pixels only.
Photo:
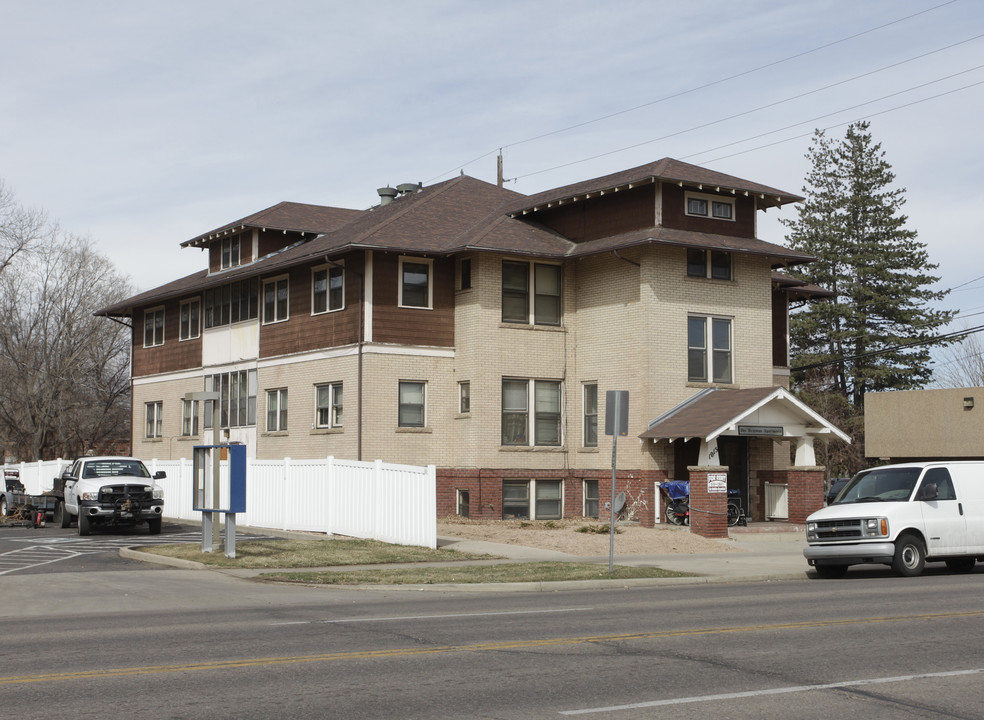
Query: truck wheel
[
  {"x": 154, "y": 526},
  {"x": 960, "y": 564},
  {"x": 62, "y": 518},
  {"x": 831, "y": 572},
  {"x": 910, "y": 556},
  {"x": 83, "y": 524},
  {"x": 3, "y": 506}
]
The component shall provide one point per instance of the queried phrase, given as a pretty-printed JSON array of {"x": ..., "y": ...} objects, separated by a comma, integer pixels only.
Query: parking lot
[{"x": 26, "y": 550}]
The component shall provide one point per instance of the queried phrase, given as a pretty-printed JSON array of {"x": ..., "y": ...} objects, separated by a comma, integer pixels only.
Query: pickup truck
[{"x": 109, "y": 492}]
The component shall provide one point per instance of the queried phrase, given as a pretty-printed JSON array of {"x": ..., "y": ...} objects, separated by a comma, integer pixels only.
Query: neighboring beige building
[
  {"x": 477, "y": 329},
  {"x": 911, "y": 425}
]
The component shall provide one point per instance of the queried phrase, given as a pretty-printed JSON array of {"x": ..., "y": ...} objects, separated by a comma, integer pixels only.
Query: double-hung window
[
  {"x": 590, "y": 415},
  {"x": 713, "y": 206},
  {"x": 230, "y": 251},
  {"x": 416, "y": 288},
  {"x": 709, "y": 349},
  {"x": 590, "y": 498},
  {"x": 189, "y": 418},
  {"x": 154, "y": 412},
  {"x": 154, "y": 327},
  {"x": 275, "y": 297},
  {"x": 412, "y": 403},
  {"x": 464, "y": 397},
  {"x": 519, "y": 425},
  {"x": 190, "y": 320},
  {"x": 329, "y": 405},
  {"x": 531, "y": 293},
  {"x": 277, "y": 410},
  {"x": 714, "y": 264},
  {"x": 547, "y": 499},
  {"x": 327, "y": 289}
]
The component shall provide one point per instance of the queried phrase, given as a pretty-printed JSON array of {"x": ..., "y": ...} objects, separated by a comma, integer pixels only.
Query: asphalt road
[{"x": 172, "y": 643}]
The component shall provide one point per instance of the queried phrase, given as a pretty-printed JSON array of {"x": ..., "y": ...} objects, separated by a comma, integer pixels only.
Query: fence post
[{"x": 286, "y": 492}]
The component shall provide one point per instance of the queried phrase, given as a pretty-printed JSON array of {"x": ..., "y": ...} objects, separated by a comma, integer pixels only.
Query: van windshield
[{"x": 880, "y": 485}]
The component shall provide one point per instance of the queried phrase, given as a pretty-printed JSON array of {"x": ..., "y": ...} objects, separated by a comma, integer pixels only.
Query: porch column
[
  {"x": 708, "y": 510},
  {"x": 805, "y": 491}
]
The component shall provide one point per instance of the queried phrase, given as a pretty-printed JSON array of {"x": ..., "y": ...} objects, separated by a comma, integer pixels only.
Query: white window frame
[
  {"x": 464, "y": 397},
  {"x": 530, "y": 412},
  {"x": 189, "y": 418},
  {"x": 709, "y": 351},
  {"x": 531, "y": 293},
  {"x": 400, "y": 404},
  {"x": 329, "y": 271},
  {"x": 234, "y": 258},
  {"x": 153, "y": 314},
  {"x": 533, "y": 498},
  {"x": 154, "y": 420},
  {"x": 190, "y": 330},
  {"x": 276, "y": 281},
  {"x": 404, "y": 260},
  {"x": 584, "y": 498},
  {"x": 712, "y": 205},
  {"x": 238, "y": 391},
  {"x": 333, "y": 409},
  {"x": 587, "y": 417},
  {"x": 276, "y": 410}
]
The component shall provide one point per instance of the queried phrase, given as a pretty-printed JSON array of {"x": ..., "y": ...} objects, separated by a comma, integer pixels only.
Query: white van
[{"x": 904, "y": 516}]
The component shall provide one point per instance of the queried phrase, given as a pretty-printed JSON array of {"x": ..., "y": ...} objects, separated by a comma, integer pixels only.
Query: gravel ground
[{"x": 562, "y": 535}]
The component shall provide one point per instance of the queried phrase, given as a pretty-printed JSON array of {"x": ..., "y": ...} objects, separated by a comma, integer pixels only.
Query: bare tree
[
  {"x": 961, "y": 364},
  {"x": 65, "y": 372},
  {"x": 20, "y": 229}
]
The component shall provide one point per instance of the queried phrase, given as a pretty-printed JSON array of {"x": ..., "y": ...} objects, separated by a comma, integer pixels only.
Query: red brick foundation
[
  {"x": 805, "y": 494},
  {"x": 708, "y": 510}
]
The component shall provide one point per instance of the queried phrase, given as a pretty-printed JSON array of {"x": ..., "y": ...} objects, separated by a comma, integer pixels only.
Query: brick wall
[{"x": 708, "y": 510}]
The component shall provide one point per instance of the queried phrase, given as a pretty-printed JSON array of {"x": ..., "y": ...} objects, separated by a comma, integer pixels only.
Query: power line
[{"x": 703, "y": 87}]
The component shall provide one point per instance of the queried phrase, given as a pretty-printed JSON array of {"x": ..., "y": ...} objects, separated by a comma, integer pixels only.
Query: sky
[{"x": 144, "y": 124}]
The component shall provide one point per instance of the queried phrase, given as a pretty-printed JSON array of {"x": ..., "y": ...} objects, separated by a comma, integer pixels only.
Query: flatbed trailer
[{"x": 39, "y": 509}]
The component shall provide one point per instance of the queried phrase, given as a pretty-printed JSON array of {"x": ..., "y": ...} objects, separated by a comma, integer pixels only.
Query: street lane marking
[
  {"x": 32, "y": 557},
  {"x": 441, "y": 649},
  {"x": 771, "y": 691},
  {"x": 430, "y": 617}
]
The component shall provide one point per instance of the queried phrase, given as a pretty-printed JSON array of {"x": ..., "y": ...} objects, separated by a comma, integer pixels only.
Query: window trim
[
  {"x": 189, "y": 418},
  {"x": 464, "y": 397},
  {"x": 585, "y": 415},
  {"x": 708, "y": 351},
  {"x": 282, "y": 405},
  {"x": 429, "y": 263},
  {"x": 154, "y": 420},
  {"x": 710, "y": 200},
  {"x": 329, "y": 270},
  {"x": 585, "y": 498},
  {"x": 245, "y": 402},
  {"x": 531, "y": 413},
  {"x": 334, "y": 408},
  {"x": 189, "y": 333},
  {"x": 154, "y": 312},
  {"x": 400, "y": 404},
  {"x": 708, "y": 265},
  {"x": 533, "y": 499},
  {"x": 275, "y": 281},
  {"x": 227, "y": 243},
  {"x": 531, "y": 294}
]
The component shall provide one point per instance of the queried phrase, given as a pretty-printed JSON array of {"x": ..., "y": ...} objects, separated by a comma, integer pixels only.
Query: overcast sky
[{"x": 144, "y": 124}]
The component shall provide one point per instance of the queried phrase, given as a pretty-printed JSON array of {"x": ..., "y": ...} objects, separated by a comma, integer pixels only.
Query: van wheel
[
  {"x": 910, "y": 556},
  {"x": 960, "y": 564},
  {"x": 831, "y": 572}
]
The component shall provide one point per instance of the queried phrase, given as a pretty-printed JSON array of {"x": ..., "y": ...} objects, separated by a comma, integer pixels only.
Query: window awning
[{"x": 754, "y": 412}]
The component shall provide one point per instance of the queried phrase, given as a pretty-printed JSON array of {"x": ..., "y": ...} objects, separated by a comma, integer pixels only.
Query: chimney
[{"x": 386, "y": 195}]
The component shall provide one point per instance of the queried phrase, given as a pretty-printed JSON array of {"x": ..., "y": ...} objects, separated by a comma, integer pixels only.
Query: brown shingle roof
[
  {"x": 290, "y": 216},
  {"x": 666, "y": 169},
  {"x": 705, "y": 412}
]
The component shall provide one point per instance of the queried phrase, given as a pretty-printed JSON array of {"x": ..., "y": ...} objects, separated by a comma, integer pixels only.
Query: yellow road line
[{"x": 479, "y": 647}]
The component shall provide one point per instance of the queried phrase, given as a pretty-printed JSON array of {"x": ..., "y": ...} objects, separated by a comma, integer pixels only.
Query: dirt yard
[{"x": 563, "y": 535}]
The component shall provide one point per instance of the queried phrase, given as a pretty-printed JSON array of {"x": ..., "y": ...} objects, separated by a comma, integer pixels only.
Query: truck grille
[
  {"x": 114, "y": 495},
  {"x": 838, "y": 529}
]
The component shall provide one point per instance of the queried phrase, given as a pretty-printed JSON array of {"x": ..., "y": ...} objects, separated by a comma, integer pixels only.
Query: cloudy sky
[{"x": 144, "y": 124}]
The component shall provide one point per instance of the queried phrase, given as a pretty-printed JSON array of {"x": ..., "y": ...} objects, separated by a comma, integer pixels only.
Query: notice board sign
[{"x": 717, "y": 482}]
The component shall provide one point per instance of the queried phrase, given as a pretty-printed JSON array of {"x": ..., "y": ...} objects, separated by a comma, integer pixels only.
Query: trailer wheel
[{"x": 83, "y": 524}]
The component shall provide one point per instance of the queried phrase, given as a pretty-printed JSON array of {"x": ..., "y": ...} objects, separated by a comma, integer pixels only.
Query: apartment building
[{"x": 477, "y": 329}]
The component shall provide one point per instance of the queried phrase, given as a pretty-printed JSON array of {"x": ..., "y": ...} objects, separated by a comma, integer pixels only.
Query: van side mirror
[{"x": 929, "y": 492}]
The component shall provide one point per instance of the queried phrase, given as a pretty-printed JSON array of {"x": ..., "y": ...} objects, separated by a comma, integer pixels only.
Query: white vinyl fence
[{"x": 393, "y": 503}]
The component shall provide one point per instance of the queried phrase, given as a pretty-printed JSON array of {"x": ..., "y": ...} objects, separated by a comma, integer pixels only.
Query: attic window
[
  {"x": 710, "y": 206},
  {"x": 230, "y": 251}
]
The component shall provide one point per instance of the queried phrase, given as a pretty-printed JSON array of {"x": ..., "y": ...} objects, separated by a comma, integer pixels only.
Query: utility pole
[{"x": 498, "y": 173}]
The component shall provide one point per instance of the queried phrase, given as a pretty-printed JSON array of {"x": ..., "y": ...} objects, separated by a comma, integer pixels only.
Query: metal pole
[{"x": 611, "y": 529}]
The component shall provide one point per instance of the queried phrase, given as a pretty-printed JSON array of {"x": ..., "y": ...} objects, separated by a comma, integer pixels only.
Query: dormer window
[
  {"x": 230, "y": 252},
  {"x": 710, "y": 206}
]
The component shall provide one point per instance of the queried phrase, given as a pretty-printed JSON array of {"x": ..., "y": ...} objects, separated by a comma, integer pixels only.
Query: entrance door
[{"x": 734, "y": 453}]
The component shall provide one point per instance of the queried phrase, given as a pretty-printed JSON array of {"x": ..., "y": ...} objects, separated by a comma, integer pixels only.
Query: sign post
[
  {"x": 616, "y": 423},
  {"x": 207, "y": 497}
]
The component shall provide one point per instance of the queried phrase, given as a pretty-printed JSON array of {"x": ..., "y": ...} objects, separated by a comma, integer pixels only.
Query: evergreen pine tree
[{"x": 880, "y": 273}]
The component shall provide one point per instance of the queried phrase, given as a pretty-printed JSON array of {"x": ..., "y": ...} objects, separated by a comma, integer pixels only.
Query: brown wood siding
[
  {"x": 173, "y": 355},
  {"x": 273, "y": 240},
  {"x": 303, "y": 331},
  {"x": 411, "y": 326},
  {"x": 603, "y": 216},
  {"x": 245, "y": 250},
  {"x": 674, "y": 213}
]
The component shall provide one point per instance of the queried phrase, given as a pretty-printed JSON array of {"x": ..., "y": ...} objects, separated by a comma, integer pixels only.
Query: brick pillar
[
  {"x": 805, "y": 494},
  {"x": 708, "y": 510}
]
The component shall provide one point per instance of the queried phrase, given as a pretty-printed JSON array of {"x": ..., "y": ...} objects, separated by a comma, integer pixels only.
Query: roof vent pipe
[
  {"x": 405, "y": 188},
  {"x": 386, "y": 195}
]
